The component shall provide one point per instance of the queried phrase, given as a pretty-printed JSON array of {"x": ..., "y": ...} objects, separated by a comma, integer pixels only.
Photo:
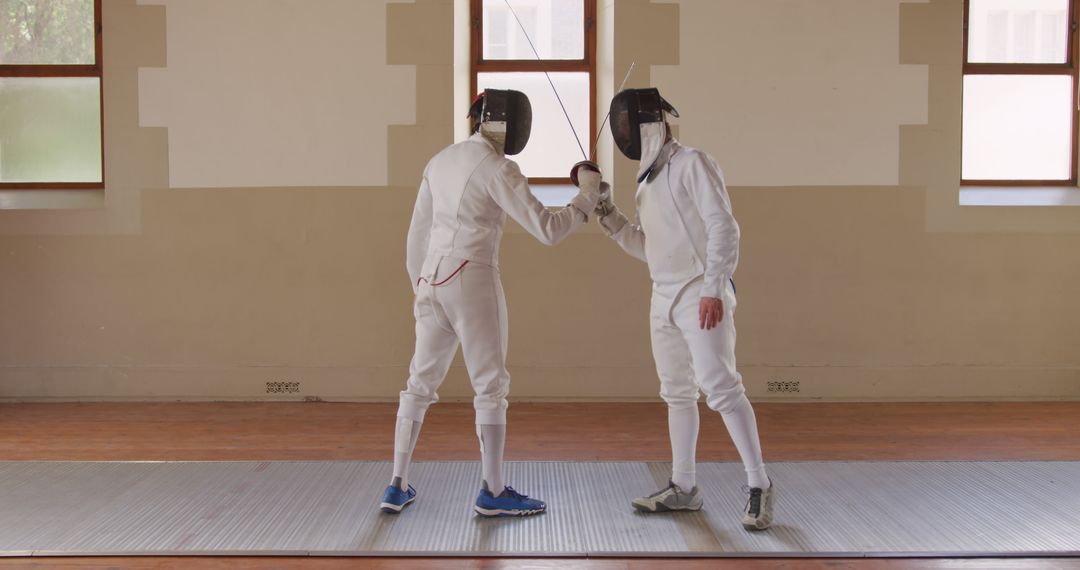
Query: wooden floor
[{"x": 320, "y": 431}]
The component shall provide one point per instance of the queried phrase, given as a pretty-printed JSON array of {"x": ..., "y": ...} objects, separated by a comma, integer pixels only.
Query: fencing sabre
[
  {"x": 573, "y": 171},
  {"x": 586, "y": 163},
  {"x": 550, "y": 82},
  {"x": 608, "y": 115}
]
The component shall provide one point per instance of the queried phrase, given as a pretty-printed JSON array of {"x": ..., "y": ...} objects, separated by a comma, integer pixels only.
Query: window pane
[
  {"x": 555, "y": 195},
  {"x": 556, "y": 28},
  {"x": 50, "y": 130},
  {"x": 46, "y": 32},
  {"x": 1017, "y": 127},
  {"x": 551, "y": 150},
  {"x": 1018, "y": 31}
]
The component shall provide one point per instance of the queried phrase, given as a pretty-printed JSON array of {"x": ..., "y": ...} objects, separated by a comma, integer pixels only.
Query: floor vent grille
[
  {"x": 784, "y": 386},
  {"x": 282, "y": 387}
]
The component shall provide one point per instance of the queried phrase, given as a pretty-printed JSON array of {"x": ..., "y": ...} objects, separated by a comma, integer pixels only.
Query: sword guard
[{"x": 587, "y": 165}]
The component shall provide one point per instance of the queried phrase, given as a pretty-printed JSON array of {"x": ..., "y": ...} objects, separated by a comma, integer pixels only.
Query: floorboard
[{"x": 538, "y": 431}]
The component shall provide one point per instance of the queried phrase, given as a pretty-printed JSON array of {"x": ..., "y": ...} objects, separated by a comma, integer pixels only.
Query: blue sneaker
[
  {"x": 509, "y": 503},
  {"x": 394, "y": 499}
]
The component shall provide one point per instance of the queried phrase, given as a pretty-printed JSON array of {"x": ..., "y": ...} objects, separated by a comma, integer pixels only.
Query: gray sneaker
[
  {"x": 670, "y": 498},
  {"x": 759, "y": 508}
]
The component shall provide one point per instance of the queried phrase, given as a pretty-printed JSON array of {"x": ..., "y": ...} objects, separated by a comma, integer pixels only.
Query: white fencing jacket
[
  {"x": 466, "y": 193},
  {"x": 685, "y": 227}
]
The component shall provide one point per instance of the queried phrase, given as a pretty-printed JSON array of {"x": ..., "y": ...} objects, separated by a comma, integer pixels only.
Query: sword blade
[
  {"x": 577, "y": 139},
  {"x": 608, "y": 115}
]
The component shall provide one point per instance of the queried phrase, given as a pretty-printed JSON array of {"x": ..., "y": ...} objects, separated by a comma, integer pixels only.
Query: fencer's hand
[
  {"x": 588, "y": 181},
  {"x": 606, "y": 205},
  {"x": 580, "y": 167},
  {"x": 711, "y": 313}
]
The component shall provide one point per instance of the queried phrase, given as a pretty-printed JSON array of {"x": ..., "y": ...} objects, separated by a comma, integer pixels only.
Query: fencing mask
[
  {"x": 639, "y": 126},
  {"x": 504, "y": 117}
]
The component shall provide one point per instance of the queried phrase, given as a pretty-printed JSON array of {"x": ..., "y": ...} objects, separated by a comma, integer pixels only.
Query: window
[
  {"x": 1020, "y": 123},
  {"x": 50, "y": 94},
  {"x": 563, "y": 33}
]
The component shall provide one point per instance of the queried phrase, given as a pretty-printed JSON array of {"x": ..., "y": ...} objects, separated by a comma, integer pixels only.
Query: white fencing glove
[
  {"x": 611, "y": 219},
  {"x": 613, "y": 222},
  {"x": 589, "y": 183},
  {"x": 586, "y": 176},
  {"x": 606, "y": 205}
]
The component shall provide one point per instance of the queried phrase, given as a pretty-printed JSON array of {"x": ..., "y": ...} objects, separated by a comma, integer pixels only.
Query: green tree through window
[
  {"x": 50, "y": 94},
  {"x": 47, "y": 31}
]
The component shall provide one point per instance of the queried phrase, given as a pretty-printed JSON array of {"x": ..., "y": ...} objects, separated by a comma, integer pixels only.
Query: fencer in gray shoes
[{"x": 686, "y": 233}]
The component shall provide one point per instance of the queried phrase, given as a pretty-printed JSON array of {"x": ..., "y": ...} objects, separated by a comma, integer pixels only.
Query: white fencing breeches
[
  {"x": 468, "y": 309},
  {"x": 689, "y": 359}
]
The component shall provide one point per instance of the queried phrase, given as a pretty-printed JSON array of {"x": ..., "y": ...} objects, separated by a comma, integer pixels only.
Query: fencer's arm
[
  {"x": 625, "y": 233},
  {"x": 705, "y": 183},
  {"x": 628, "y": 236},
  {"x": 510, "y": 189},
  {"x": 416, "y": 244}
]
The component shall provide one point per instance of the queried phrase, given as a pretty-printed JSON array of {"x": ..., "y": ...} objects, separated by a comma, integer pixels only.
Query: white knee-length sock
[
  {"x": 405, "y": 433},
  {"x": 742, "y": 427},
  {"x": 683, "y": 423},
  {"x": 492, "y": 440}
]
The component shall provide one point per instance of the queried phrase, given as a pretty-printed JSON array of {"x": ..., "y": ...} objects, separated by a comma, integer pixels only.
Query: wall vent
[
  {"x": 282, "y": 387},
  {"x": 788, "y": 386}
]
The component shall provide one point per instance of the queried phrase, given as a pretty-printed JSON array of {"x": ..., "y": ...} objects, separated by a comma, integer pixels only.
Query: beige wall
[
  {"x": 860, "y": 277},
  {"x": 795, "y": 93},
  {"x": 278, "y": 93}
]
